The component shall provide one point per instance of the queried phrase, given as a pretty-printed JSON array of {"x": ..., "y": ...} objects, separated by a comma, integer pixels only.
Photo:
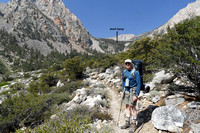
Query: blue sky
[{"x": 135, "y": 16}]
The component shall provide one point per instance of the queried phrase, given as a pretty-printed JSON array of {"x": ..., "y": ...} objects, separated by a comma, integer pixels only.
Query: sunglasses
[{"x": 127, "y": 63}]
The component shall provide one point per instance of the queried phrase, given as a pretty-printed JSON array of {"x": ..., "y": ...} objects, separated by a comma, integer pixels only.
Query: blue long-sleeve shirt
[{"x": 133, "y": 81}]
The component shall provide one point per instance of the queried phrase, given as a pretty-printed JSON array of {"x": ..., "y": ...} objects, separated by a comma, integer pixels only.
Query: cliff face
[
  {"x": 68, "y": 22},
  {"x": 45, "y": 25}
]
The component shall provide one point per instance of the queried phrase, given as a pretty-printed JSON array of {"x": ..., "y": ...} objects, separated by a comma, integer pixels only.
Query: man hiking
[{"x": 131, "y": 83}]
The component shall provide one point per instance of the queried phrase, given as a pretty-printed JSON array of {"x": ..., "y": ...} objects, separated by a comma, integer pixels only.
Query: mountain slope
[
  {"x": 46, "y": 25},
  {"x": 32, "y": 27},
  {"x": 192, "y": 10},
  {"x": 124, "y": 37}
]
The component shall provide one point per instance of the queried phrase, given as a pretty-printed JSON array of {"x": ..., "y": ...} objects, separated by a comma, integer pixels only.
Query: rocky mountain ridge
[
  {"x": 124, "y": 37},
  {"x": 47, "y": 25},
  {"x": 192, "y": 10},
  {"x": 53, "y": 26}
]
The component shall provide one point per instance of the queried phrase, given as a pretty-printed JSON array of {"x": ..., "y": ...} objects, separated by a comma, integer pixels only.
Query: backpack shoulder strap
[{"x": 132, "y": 73}]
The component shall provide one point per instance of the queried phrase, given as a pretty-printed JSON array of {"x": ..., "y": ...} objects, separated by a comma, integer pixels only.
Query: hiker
[{"x": 131, "y": 83}]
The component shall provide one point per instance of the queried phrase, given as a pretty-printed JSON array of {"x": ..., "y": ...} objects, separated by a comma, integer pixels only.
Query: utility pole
[{"x": 117, "y": 29}]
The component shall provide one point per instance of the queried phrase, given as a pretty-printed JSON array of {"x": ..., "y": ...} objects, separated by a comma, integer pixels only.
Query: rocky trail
[
  {"x": 115, "y": 101},
  {"x": 159, "y": 111},
  {"x": 145, "y": 108}
]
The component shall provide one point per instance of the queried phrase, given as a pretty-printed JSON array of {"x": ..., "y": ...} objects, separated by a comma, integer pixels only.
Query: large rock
[
  {"x": 117, "y": 71},
  {"x": 109, "y": 71},
  {"x": 103, "y": 76},
  {"x": 117, "y": 68},
  {"x": 168, "y": 118},
  {"x": 195, "y": 127},
  {"x": 92, "y": 101},
  {"x": 80, "y": 96},
  {"x": 160, "y": 77}
]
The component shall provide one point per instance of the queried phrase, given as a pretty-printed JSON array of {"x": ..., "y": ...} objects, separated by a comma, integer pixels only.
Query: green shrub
[
  {"x": 4, "y": 83},
  {"x": 17, "y": 86},
  {"x": 27, "y": 110},
  {"x": 97, "y": 114},
  {"x": 22, "y": 109},
  {"x": 36, "y": 87},
  {"x": 73, "y": 69},
  {"x": 91, "y": 113},
  {"x": 3, "y": 68},
  {"x": 7, "y": 77},
  {"x": 148, "y": 77},
  {"x": 75, "y": 124},
  {"x": 49, "y": 78},
  {"x": 26, "y": 75},
  {"x": 70, "y": 87},
  {"x": 35, "y": 78}
]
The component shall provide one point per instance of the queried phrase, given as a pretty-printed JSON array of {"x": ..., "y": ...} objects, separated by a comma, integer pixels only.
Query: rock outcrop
[
  {"x": 168, "y": 118},
  {"x": 68, "y": 22}
]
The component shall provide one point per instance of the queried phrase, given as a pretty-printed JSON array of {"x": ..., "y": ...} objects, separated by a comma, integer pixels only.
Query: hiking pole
[{"x": 121, "y": 106}]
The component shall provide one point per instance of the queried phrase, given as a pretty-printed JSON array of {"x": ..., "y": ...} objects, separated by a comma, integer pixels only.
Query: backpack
[
  {"x": 140, "y": 67},
  {"x": 138, "y": 64}
]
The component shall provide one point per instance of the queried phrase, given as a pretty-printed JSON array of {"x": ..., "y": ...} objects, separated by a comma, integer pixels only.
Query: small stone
[
  {"x": 156, "y": 99},
  {"x": 194, "y": 105},
  {"x": 104, "y": 121},
  {"x": 54, "y": 117}
]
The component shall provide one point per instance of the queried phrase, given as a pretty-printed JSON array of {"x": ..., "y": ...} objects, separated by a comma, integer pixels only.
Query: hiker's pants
[{"x": 128, "y": 98}]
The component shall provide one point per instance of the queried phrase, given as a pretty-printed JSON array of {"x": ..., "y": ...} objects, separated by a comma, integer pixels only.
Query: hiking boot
[{"x": 127, "y": 125}]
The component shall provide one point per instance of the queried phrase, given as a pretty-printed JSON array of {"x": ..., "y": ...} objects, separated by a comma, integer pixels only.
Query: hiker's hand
[
  {"x": 122, "y": 94},
  {"x": 134, "y": 99}
]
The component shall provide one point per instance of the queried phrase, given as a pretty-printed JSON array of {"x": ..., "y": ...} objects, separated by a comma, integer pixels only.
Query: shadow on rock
[{"x": 145, "y": 115}]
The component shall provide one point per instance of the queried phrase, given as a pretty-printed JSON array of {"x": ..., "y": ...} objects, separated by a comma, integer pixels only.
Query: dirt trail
[{"x": 115, "y": 101}]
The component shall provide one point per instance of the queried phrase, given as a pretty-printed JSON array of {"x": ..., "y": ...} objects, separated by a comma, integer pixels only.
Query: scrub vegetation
[{"x": 177, "y": 51}]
